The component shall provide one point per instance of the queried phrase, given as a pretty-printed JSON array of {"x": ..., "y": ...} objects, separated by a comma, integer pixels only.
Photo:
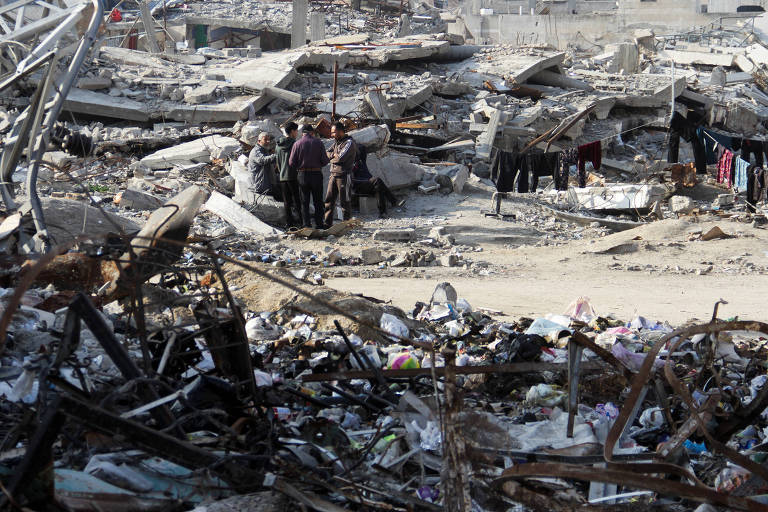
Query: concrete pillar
[
  {"x": 405, "y": 26},
  {"x": 317, "y": 26},
  {"x": 299, "y": 23}
]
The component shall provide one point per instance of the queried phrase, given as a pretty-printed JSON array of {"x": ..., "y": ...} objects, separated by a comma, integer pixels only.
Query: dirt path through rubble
[
  {"x": 675, "y": 299},
  {"x": 661, "y": 271}
]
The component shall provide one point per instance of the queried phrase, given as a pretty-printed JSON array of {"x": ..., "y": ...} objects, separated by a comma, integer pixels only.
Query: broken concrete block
[
  {"x": 228, "y": 210},
  {"x": 372, "y": 137},
  {"x": 196, "y": 151},
  {"x": 718, "y": 77},
  {"x": 397, "y": 170},
  {"x": 219, "y": 153},
  {"x": 202, "y": 94},
  {"x": 371, "y": 256},
  {"x": 137, "y": 200},
  {"x": 244, "y": 183},
  {"x": 94, "y": 84},
  {"x": 453, "y": 177},
  {"x": 681, "y": 204},
  {"x": 395, "y": 235},
  {"x": 616, "y": 197},
  {"x": 58, "y": 158},
  {"x": 626, "y": 59},
  {"x": 449, "y": 260},
  {"x": 401, "y": 260},
  {"x": 368, "y": 205},
  {"x": 289, "y": 97}
]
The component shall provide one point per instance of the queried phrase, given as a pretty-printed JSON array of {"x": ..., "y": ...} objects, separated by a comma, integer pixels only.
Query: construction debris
[{"x": 186, "y": 322}]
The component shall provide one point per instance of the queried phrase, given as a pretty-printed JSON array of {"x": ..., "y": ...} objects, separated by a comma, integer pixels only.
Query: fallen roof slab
[{"x": 93, "y": 103}]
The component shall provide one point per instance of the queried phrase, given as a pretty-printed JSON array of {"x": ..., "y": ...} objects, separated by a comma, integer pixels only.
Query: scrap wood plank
[{"x": 460, "y": 370}]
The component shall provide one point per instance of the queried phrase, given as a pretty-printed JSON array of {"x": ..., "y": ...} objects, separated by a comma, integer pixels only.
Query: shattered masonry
[{"x": 190, "y": 322}]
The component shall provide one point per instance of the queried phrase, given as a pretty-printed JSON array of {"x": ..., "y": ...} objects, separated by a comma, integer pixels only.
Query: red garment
[
  {"x": 724, "y": 166},
  {"x": 591, "y": 152},
  {"x": 115, "y": 15}
]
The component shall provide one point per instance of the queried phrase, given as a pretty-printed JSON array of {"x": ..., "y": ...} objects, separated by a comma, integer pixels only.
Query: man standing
[
  {"x": 289, "y": 184},
  {"x": 363, "y": 182},
  {"x": 261, "y": 164},
  {"x": 343, "y": 155},
  {"x": 308, "y": 157}
]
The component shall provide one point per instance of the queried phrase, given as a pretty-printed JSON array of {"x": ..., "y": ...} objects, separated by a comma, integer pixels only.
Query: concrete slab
[
  {"x": 98, "y": 104},
  {"x": 195, "y": 151},
  {"x": 616, "y": 197},
  {"x": 702, "y": 58},
  {"x": 240, "y": 218}
]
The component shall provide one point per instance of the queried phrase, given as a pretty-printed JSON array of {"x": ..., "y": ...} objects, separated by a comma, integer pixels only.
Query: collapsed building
[{"x": 168, "y": 343}]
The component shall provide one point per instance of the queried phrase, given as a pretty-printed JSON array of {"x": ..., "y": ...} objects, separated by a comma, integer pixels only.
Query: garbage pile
[{"x": 169, "y": 376}]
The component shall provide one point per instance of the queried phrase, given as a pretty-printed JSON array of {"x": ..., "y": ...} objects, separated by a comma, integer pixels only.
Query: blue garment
[
  {"x": 740, "y": 177},
  {"x": 707, "y": 137}
]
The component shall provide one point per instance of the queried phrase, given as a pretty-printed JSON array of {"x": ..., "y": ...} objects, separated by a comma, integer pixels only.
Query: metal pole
[{"x": 335, "y": 83}]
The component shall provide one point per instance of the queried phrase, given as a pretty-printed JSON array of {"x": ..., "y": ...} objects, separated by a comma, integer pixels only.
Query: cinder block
[{"x": 368, "y": 205}]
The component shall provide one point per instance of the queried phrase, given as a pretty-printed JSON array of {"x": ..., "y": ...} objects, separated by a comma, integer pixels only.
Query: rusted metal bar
[
  {"x": 628, "y": 479},
  {"x": 460, "y": 370},
  {"x": 236, "y": 473},
  {"x": 38, "y": 456},
  {"x": 456, "y": 471},
  {"x": 85, "y": 310}
]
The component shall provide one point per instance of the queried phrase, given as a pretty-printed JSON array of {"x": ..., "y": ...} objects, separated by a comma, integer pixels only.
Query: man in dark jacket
[
  {"x": 343, "y": 155},
  {"x": 364, "y": 183},
  {"x": 261, "y": 164},
  {"x": 288, "y": 176},
  {"x": 308, "y": 157}
]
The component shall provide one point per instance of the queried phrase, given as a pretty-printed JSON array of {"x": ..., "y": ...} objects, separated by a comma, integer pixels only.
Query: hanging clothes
[
  {"x": 544, "y": 164},
  {"x": 567, "y": 158},
  {"x": 740, "y": 174},
  {"x": 757, "y": 185},
  {"x": 752, "y": 147},
  {"x": 591, "y": 152},
  {"x": 712, "y": 140},
  {"x": 503, "y": 170},
  {"x": 679, "y": 126},
  {"x": 724, "y": 167}
]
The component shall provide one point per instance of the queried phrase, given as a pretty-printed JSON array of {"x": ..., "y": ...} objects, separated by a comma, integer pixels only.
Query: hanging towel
[
  {"x": 591, "y": 152},
  {"x": 740, "y": 174}
]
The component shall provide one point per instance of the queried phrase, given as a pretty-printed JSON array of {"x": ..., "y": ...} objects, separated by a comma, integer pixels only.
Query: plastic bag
[
  {"x": 580, "y": 309},
  {"x": 545, "y": 395},
  {"x": 730, "y": 478},
  {"x": 630, "y": 359},
  {"x": 393, "y": 325},
  {"x": 652, "y": 417},
  {"x": 546, "y": 327},
  {"x": 258, "y": 329}
]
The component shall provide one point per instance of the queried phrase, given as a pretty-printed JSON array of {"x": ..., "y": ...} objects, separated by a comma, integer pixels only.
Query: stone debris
[{"x": 168, "y": 337}]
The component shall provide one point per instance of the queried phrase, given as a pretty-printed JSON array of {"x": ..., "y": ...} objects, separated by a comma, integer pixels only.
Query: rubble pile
[
  {"x": 229, "y": 383},
  {"x": 172, "y": 339}
]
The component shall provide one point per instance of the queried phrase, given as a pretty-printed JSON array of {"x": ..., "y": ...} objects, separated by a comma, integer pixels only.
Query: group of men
[{"x": 291, "y": 170}]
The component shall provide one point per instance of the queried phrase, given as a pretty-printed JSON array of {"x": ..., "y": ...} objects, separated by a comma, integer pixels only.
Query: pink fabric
[{"x": 724, "y": 167}]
